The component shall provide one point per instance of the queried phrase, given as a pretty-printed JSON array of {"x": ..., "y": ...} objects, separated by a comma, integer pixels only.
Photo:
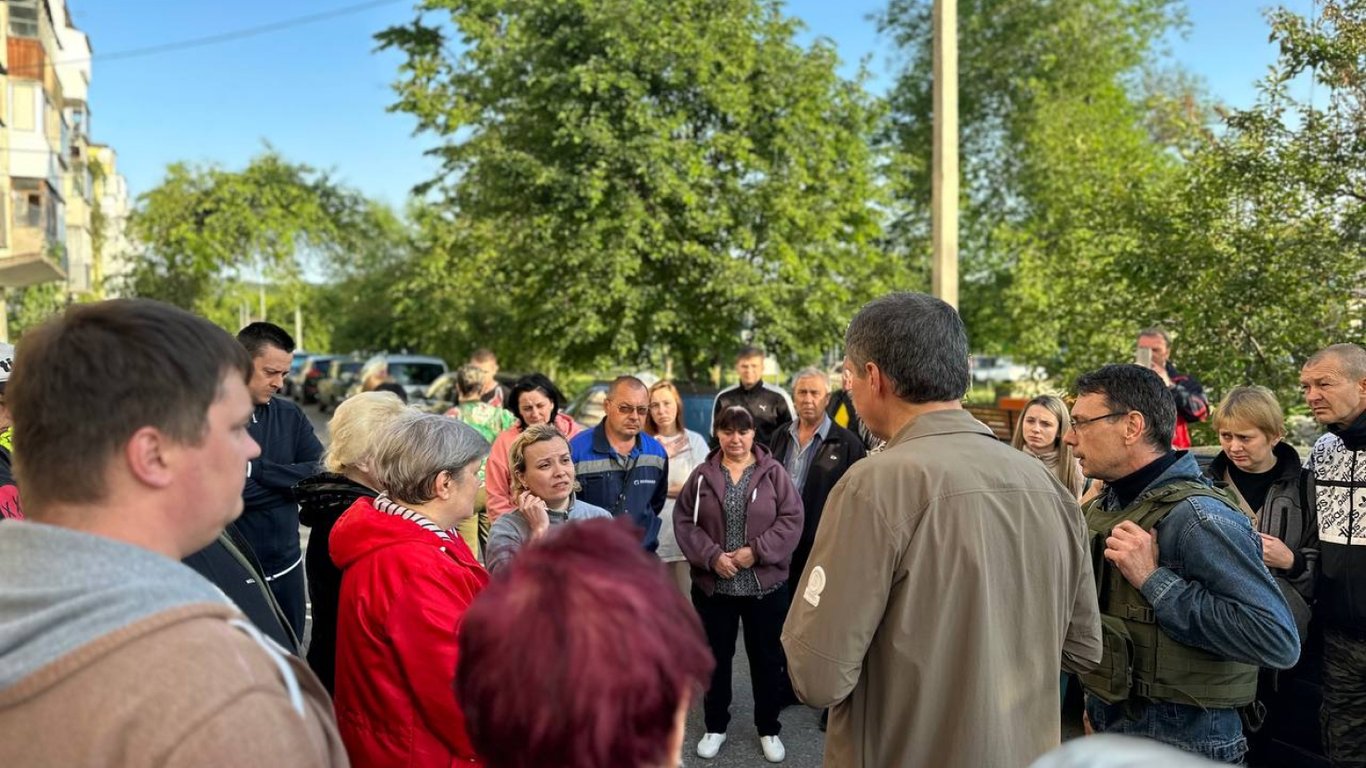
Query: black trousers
[
  {"x": 1344, "y": 699},
  {"x": 763, "y": 619}
]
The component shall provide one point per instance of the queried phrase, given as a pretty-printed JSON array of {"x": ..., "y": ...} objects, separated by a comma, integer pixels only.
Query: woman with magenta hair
[{"x": 581, "y": 655}]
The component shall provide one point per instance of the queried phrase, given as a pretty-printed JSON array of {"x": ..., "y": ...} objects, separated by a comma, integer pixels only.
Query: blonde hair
[
  {"x": 1252, "y": 405},
  {"x": 1067, "y": 466},
  {"x": 353, "y": 428},
  {"x": 536, "y": 433}
]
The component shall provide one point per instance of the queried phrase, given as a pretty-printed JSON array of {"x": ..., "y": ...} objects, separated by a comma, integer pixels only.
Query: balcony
[{"x": 38, "y": 252}]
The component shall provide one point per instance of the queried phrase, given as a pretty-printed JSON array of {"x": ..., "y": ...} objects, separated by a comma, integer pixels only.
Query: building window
[
  {"x": 23, "y": 18},
  {"x": 28, "y": 203},
  {"x": 25, "y": 106}
]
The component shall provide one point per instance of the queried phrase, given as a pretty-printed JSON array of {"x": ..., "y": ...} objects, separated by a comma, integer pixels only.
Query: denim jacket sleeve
[{"x": 1212, "y": 591}]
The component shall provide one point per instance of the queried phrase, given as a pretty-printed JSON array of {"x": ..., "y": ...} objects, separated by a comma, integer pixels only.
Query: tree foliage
[
  {"x": 203, "y": 227},
  {"x": 1099, "y": 197},
  {"x": 623, "y": 179}
]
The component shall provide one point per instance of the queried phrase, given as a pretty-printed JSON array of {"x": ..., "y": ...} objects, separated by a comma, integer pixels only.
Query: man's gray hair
[
  {"x": 811, "y": 372},
  {"x": 1158, "y": 331},
  {"x": 1351, "y": 357},
  {"x": 917, "y": 341},
  {"x": 413, "y": 449}
]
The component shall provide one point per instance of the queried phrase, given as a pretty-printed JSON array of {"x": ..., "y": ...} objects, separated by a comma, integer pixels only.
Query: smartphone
[{"x": 1144, "y": 357}]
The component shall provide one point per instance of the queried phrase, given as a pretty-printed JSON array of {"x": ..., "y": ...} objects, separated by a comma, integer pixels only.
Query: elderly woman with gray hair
[{"x": 406, "y": 584}]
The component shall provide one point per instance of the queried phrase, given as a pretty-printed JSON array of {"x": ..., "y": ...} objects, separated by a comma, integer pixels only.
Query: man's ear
[
  {"x": 151, "y": 457},
  {"x": 876, "y": 381},
  {"x": 1134, "y": 427}
]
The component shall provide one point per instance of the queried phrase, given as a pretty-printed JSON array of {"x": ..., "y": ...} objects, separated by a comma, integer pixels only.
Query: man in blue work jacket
[{"x": 620, "y": 468}]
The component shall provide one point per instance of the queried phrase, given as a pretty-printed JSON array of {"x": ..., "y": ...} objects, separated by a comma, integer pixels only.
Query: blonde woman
[
  {"x": 686, "y": 450},
  {"x": 543, "y": 484},
  {"x": 349, "y": 475},
  {"x": 1039, "y": 433},
  {"x": 1266, "y": 475}
]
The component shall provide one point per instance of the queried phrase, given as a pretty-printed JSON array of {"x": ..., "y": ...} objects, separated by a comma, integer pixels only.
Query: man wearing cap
[{"x": 9, "y": 492}]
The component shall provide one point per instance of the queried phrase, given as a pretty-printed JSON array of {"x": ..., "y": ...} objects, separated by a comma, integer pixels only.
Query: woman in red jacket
[
  {"x": 407, "y": 581},
  {"x": 738, "y": 519}
]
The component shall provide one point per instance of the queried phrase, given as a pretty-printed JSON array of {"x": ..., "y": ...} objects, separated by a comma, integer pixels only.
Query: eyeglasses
[
  {"x": 626, "y": 409},
  {"x": 1077, "y": 424}
]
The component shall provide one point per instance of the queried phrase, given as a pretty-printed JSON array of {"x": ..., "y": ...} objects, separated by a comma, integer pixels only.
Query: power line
[{"x": 239, "y": 34}]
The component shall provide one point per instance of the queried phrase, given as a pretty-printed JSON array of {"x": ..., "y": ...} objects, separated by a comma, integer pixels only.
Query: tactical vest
[{"x": 1139, "y": 660}]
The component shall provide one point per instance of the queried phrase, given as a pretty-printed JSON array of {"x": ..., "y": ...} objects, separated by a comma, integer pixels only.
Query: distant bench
[{"x": 1001, "y": 421}]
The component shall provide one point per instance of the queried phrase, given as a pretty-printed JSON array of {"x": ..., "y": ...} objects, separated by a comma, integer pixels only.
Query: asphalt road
[{"x": 801, "y": 736}]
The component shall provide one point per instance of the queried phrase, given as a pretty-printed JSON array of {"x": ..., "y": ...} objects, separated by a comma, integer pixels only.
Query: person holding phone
[
  {"x": 1153, "y": 353},
  {"x": 543, "y": 484}
]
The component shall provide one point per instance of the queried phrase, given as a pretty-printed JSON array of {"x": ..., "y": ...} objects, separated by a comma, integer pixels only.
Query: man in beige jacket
[
  {"x": 950, "y": 578},
  {"x": 132, "y": 417}
]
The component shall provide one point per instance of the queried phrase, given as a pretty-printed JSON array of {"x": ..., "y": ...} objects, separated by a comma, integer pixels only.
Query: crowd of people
[{"x": 502, "y": 586}]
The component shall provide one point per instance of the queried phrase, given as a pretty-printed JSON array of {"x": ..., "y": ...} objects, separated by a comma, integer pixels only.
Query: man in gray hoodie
[{"x": 133, "y": 416}]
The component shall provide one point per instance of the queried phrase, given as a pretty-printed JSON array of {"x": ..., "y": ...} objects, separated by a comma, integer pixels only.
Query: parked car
[
  {"x": 305, "y": 386},
  {"x": 439, "y": 395},
  {"x": 989, "y": 368},
  {"x": 342, "y": 372},
  {"x": 413, "y": 372},
  {"x": 587, "y": 407},
  {"x": 300, "y": 357}
]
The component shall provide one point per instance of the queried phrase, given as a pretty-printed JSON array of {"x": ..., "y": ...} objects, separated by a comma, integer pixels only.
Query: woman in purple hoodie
[{"x": 738, "y": 519}]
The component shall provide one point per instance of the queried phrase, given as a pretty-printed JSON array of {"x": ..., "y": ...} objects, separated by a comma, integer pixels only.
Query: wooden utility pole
[{"x": 944, "y": 179}]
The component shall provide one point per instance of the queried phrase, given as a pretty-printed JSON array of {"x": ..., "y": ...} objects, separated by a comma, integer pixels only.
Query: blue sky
[{"x": 318, "y": 93}]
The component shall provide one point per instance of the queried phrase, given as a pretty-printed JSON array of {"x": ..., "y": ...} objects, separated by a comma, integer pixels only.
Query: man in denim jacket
[{"x": 1189, "y": 609}]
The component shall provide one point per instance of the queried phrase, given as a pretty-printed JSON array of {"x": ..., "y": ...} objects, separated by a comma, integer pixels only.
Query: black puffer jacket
[{"x": 322, "y": 499}]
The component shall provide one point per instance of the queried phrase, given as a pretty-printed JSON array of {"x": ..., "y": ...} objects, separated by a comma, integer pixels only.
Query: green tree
[
  {"x": 1054, "y": 135},
  {"x": 639, "y": 178},
  {"x": 204, "y": 226},
  {"x": 1266, "y": 237}
]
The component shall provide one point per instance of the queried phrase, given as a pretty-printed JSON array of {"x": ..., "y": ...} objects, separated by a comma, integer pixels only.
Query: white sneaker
[
  {"x": 773, "y": 748},
  {"x": 710, "y": 744}
]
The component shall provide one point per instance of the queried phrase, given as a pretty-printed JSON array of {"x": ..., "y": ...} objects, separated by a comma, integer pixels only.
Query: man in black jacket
[
  {"x": 1334, "y": 386},
  {"x": 769, "y": 405},
  {"x": 290, "y": 452},
  {"x": 816, "y": 452}
]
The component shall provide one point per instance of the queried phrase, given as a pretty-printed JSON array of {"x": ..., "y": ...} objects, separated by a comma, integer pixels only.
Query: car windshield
[
  {"x": 297, "y": 364},
  {"x": 351, "y": 367},
  {"x": 419, "y": 374}
]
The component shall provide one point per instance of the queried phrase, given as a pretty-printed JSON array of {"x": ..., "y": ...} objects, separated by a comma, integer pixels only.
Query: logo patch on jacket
[{"x": 815, "y": 585}]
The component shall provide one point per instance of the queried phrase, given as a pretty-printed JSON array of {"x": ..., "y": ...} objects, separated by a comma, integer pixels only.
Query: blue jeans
[{"x": 1213, "y": 733}]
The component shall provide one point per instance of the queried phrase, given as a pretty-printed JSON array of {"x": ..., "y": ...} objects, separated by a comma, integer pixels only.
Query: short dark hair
[
  {"x": 579, "y": 653},
  {"x": 85, "y": 381},
  {"x": 917, "y": 341},
  {"x": 257, "y": 336},
  {"x": 393, "y": 388},
  {"x": 746, "y": 353},
  {"x": 735, "y": 418},
  {"x": 1132, "y": 387},
  {"x": 534, "y": 382}
]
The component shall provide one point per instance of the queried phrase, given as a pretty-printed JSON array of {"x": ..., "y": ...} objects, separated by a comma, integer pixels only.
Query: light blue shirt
[{"x": 799, "y": 458}]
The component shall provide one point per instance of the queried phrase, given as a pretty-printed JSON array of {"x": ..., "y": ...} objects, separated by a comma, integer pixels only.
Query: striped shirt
[{"x": 390, "y": 507}]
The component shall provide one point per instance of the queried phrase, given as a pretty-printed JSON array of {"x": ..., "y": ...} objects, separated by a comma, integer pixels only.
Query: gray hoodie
[
  {"x": 152, "y": 662},
  {"x": 60, "y": 589}
]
